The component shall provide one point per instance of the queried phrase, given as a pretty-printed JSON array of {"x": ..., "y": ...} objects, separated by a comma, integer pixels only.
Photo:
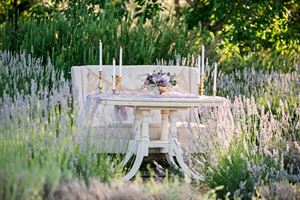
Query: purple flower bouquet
[{"x": 160, "y": 81}]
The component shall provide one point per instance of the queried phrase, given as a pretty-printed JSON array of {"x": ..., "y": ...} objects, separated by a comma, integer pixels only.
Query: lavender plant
[
  {"x": 265, "y": 143},
  {"x": 37, "y": 129}
]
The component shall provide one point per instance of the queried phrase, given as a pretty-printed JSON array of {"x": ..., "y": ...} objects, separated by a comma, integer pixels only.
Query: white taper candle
[
  {"x": 100, "y": 55},
  {"x": 199, "y": 68},
  {"x": 120, "y": 62},
  {"x": 215, "y": 78},
  {"x": 114, "y": 74},
  {"x": 202, "y": 67}
]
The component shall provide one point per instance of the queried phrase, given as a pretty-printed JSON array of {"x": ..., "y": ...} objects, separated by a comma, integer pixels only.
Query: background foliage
[
  {"x": 234, "y": 33},
  {"x": 251, "y": 25}
]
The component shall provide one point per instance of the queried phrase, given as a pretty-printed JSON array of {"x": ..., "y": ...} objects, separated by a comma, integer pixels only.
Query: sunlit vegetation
[{"x": 255, "y": 43}]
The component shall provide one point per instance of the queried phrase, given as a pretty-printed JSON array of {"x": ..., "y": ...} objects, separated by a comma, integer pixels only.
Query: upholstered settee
[{"x": 109, "y": 128}]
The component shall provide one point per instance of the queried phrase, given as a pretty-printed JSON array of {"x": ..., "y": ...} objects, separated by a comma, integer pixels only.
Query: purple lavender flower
[
  {"x": 149, "y": 77},
  {"x": 161, "y": 83}
]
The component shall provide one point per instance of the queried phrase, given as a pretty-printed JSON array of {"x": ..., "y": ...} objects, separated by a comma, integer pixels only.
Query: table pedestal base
[{"x": 168, "y": 143}]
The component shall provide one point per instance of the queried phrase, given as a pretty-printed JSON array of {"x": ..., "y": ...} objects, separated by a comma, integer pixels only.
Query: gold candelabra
[
  {"x": 201, "y": 85},
  {"x": 100, "y": 84},
  {"x": 214, "y": 93},
  {"x": 118, "y": 88},
  {"x": 118, "y": 83}
]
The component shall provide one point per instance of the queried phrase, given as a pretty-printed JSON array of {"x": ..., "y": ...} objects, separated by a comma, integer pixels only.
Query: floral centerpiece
[{"x": 160, "y": 81}]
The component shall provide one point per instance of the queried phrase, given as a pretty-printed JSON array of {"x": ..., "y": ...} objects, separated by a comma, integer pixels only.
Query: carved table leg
[
  {"x": 174, "y": 147},
  {"x": 142, "y": 146},
  {"x": 171, "y": 154},
  {"x": 132, "y": 146},
  {"x": 164, "y": 134}
]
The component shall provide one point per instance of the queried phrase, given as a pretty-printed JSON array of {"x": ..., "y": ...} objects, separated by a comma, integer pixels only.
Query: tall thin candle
[
  {"x": 100, "y": 55},
  {"x": 120, "y": 62},
  {"x": 199, "y": 67},
  {"x": 215, "y": 78},
  {"x": 114, "y": 74},
  {"x": 202, "y": 67}
]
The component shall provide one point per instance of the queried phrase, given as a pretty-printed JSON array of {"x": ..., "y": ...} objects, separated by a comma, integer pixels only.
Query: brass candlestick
[
  {"x": 201, "y": 85},
  {"x": 100, "y": 84},
  {"x": 214, "y": 93},
  {"x": 118, "y": 83},
  {"x": 113, "y": 84}
]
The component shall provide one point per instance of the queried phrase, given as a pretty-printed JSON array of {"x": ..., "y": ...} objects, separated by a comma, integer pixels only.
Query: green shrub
[{"x": 70, "y": 39}]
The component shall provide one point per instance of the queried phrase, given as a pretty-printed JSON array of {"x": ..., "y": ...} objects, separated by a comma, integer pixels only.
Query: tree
[
  {"x": 250, "y": 24},
  {"x": 11, "y": 10}
]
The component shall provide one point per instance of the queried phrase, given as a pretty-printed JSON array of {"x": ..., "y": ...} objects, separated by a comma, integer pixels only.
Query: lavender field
[
  {"x": 247, "y": 149},
  {"x": 40, "y": 157}
]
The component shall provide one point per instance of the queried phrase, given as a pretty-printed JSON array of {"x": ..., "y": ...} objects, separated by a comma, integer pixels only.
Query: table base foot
[
  {"x": 129, "y": 153},
  {"x": 174, "y": 150},
  {"x": 142, "y": 151},
  {"x": 137, "y": 163},
  {"x": 171, "y": 161}
]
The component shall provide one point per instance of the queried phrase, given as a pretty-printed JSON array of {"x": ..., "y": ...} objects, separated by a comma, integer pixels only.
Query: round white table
[{"x": 169, "y": 105}]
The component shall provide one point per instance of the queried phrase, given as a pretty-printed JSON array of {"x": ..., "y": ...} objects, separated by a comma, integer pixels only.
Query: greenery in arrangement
[{"x": 42, "y": 153}]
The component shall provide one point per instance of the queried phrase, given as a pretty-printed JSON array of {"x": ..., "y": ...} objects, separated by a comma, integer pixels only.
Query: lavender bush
[
  {"x": 265, "y": 144},
  {"x": 37, "y": 127}
]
